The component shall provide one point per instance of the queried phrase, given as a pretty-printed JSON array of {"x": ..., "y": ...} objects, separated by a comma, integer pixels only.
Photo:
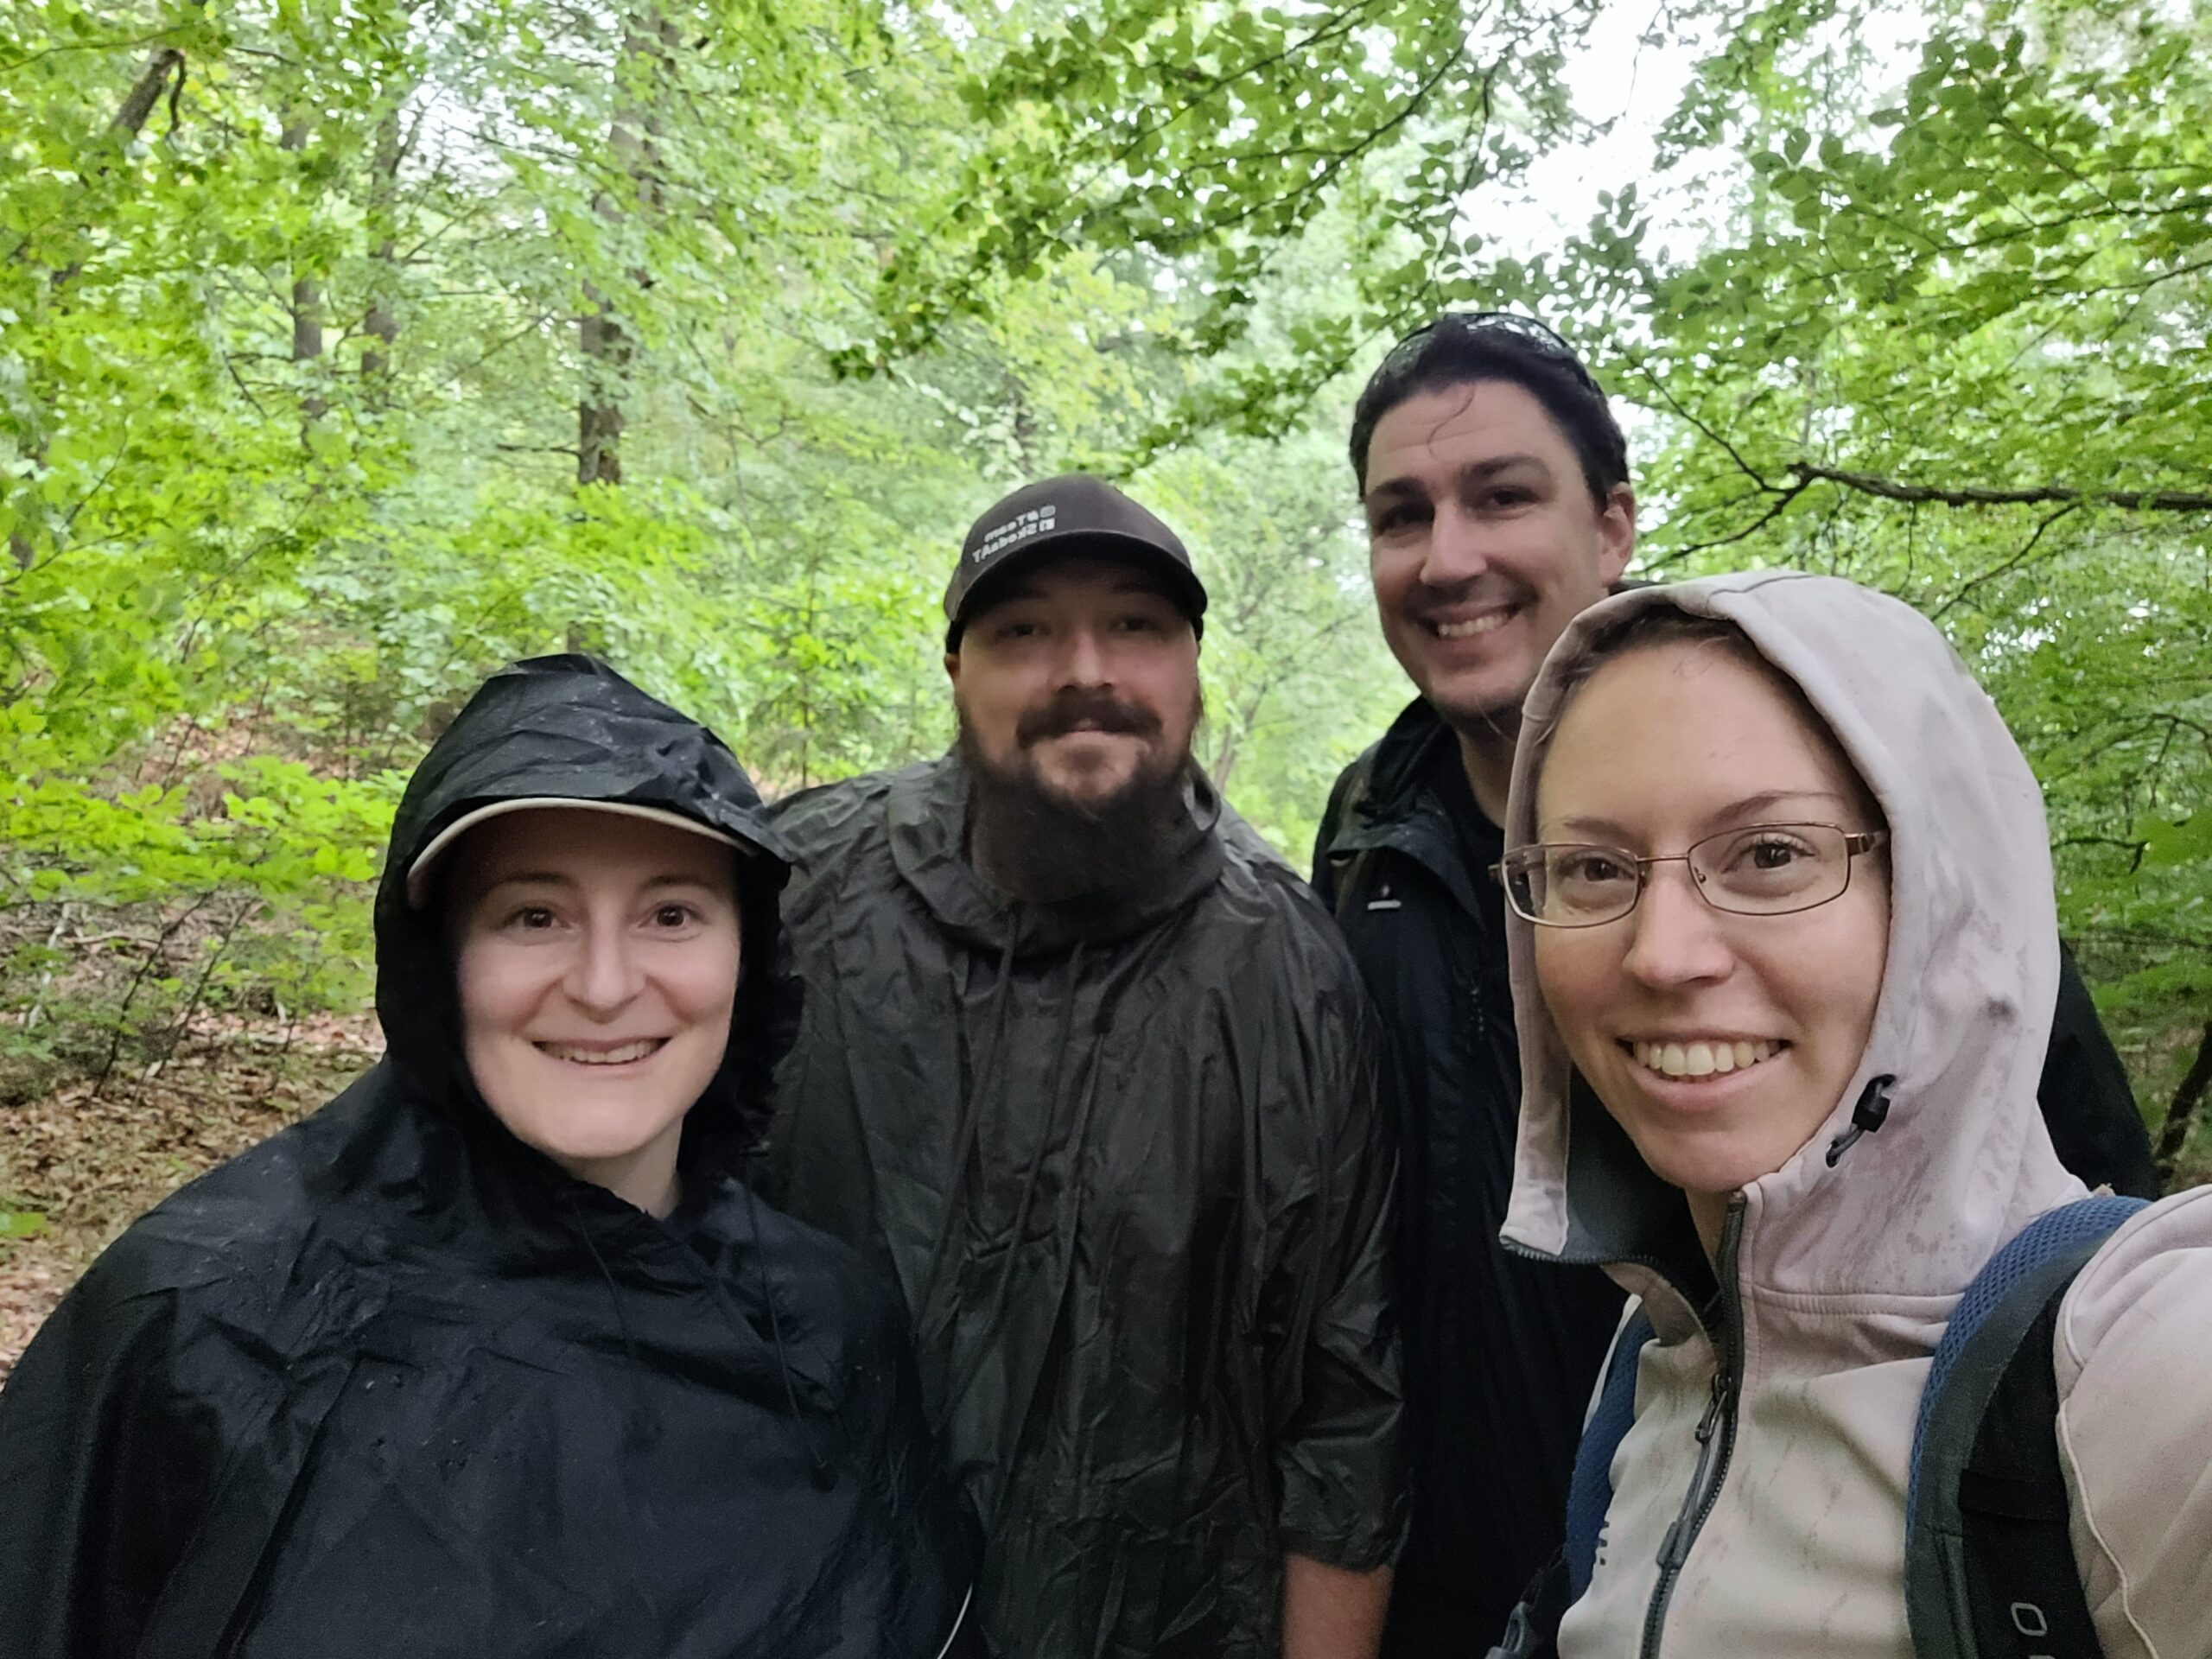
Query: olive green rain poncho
[{"x": 1124, "y": 1160}]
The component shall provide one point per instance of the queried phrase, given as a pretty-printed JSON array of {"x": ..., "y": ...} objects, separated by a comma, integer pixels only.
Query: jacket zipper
[{"x": 1716, "y": 1435}]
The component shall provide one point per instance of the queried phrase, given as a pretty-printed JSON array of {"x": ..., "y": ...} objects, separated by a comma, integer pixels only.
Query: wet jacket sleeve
[
  {"x": 1338, "y": 1458},
  {"x": 2088, "y": 1105},
  {"x": 105, "y": 1483}
]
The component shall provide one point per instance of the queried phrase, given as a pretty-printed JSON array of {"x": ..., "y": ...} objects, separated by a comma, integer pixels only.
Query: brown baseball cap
[{"x": 1072, "y": 514}]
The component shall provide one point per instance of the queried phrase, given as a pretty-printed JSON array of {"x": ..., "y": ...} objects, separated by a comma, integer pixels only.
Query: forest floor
[{"x": 82, "y": 1165}]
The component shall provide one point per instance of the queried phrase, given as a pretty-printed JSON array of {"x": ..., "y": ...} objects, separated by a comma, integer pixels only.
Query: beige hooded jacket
[{"x": 1759, "y": 1498}]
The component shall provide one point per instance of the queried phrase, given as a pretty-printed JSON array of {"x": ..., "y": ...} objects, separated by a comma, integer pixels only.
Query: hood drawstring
[
  {"x": 824, "y": 1475},
  {"x": 583, "y": 1230},
  {"x": 1868, "y": 1116},
  {"x": 641, "y": 1417}
]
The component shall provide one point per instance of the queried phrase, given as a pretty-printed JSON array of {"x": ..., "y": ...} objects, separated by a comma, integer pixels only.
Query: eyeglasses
[
  {"x": 1477, "y": 323},
  {"x": 1762, "y": 869}
]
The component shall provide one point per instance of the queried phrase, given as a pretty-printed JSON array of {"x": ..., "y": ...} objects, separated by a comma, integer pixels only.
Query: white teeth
[
  {"x": 1469, "y": 630},
  {"x": 1701, "y": 1059},
  {"x": 622, "y": 1056}
]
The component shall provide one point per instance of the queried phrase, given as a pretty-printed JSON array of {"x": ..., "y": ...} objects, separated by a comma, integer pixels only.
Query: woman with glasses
[{"x": 1783, "y": 963}]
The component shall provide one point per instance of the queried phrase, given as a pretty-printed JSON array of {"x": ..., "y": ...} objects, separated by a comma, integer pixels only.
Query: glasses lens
[
  {"x": 1764, "y": 869},
  {"x": 1581, "y": 885}
]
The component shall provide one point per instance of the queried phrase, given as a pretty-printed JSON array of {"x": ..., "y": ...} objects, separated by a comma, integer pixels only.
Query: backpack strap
[
  {"x": 1590, "y": 1491},
  {"x": 1533, "y": 1630},
  {"x": 1990, "y": 1571}
]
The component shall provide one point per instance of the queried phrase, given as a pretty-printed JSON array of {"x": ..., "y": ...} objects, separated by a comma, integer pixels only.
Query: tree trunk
[
  {"x": 163, "y": 66},
  {"x": 382, "y": 324},
  {"x": 608, "y": 346},
  {"x": 144, "y": 93},
  {"x": 307, "y": 296},
  {"x": 598, "y": 415},
  {"x": 2181, "y": 1112}
]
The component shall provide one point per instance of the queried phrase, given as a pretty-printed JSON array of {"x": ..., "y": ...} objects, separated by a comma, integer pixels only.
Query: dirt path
[{"x": 89, "y": 1164}]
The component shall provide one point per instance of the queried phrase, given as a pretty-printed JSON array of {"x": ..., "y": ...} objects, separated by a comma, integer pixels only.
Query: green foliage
[
  {"x": 348, "y": 352},
  {"x": 304, "y": 311},
  {"x": 1934, "y": 316}
]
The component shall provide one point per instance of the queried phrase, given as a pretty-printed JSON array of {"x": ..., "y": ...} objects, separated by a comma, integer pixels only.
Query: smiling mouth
[
  {"x": 1473, "y": 627},
  {"x": 1705, "y": 1057},
  {"x": 586, "y": 1054}
]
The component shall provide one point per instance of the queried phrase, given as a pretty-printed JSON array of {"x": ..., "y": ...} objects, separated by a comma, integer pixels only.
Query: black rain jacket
[
  {"x": 393, "y": 1383},
  {"x": 1502, "y": 1352},
  {"x": 1124, "y": 1161}
]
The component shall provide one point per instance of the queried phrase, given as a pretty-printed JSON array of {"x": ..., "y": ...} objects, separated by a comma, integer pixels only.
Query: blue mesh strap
[
  {"x": 1589, "y": 1493},
  {"x": 2011, "y": 1303}
]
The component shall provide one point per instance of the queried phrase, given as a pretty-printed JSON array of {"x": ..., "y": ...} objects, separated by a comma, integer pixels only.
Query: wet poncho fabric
[
  {"x": 393, "y": 1383},
  {"x": 1123, "y": 1158}
]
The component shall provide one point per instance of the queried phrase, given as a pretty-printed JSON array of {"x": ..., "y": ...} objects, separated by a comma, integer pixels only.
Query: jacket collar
[
  {"x": 927, "y": 816},
  {"x": 1400, "y": 806}
]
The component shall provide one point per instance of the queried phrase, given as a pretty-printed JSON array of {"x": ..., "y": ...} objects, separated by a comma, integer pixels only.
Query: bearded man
[{"x": 1090, "y": 1075}]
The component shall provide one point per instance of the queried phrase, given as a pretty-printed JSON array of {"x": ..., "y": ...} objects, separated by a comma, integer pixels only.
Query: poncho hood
[
  {"x": 1961, "y": 1160},
  {"x": 394, "y": 1382},
  {"x": 569, "y": 727}
]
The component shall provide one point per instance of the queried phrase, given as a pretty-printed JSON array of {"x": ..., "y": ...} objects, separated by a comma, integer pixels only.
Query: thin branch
[
  {"x": 92, "y": 46},
  {"x": 2013, "y": 563},
  {"x": 1782, "y": 498},
  {"x": 1975, "y": 495}
]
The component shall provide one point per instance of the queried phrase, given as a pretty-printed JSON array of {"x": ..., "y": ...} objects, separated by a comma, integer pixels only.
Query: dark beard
[{"x": 1043, "y": 849}]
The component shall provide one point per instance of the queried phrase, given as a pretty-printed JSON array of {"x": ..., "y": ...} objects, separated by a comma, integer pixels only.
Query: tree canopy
[{"x": 349, "y": 352}]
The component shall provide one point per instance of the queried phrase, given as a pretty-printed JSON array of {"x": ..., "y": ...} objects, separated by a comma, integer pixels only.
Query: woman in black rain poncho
[{"x": 492, "y": 1356}]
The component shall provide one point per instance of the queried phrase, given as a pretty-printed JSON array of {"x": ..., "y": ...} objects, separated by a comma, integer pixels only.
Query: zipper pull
[
  {"x": 1867, "y": 1116},
  {"x": 1708, "y": 1424}
]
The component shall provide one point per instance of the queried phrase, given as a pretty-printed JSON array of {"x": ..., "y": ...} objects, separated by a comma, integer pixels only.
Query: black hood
[{"x": 569, "y": 727}]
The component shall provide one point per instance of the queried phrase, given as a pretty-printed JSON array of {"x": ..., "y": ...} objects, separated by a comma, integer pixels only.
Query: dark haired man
[
  {"x": 1090, "y": 1075},
  {"x": 1495, "y": 483}
]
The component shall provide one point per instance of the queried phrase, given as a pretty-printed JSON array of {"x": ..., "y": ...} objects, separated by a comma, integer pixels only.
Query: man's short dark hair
[{"x": 1461, "y": 347}]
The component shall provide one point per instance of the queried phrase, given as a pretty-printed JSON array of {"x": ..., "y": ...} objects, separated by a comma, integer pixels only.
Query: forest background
[{"x": 351, "y": 348}]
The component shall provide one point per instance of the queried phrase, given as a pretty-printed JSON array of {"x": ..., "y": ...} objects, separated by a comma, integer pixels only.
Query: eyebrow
[
  {"x": 1751, "y": 808},
  {"x": 1474, "y": 472},
  {"x": 556, "y": 878}
]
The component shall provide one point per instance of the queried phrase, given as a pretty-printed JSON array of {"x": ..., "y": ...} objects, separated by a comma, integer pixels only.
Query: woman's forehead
[
  {"x": 577, "y": 846},
  {"x": 1688, "y": 726}
]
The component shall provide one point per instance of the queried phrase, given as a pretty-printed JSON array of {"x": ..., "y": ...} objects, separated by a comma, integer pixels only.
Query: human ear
[{"x": 1617, "y": 532}]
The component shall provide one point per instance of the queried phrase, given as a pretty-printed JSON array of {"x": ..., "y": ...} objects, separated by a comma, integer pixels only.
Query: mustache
[{"x": 1100, "y": 709}]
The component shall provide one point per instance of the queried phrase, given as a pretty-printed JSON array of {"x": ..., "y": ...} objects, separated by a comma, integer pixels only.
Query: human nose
[
  {"x": 606, "y": 973},
  {"x": 1085, "y": 661},
  {"x": 1677, "y": 938},
  {"x": 1455, "y": 553}
]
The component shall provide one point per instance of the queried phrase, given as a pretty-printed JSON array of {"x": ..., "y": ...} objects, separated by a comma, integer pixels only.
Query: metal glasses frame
[{"x": 1855, "y": 843}]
